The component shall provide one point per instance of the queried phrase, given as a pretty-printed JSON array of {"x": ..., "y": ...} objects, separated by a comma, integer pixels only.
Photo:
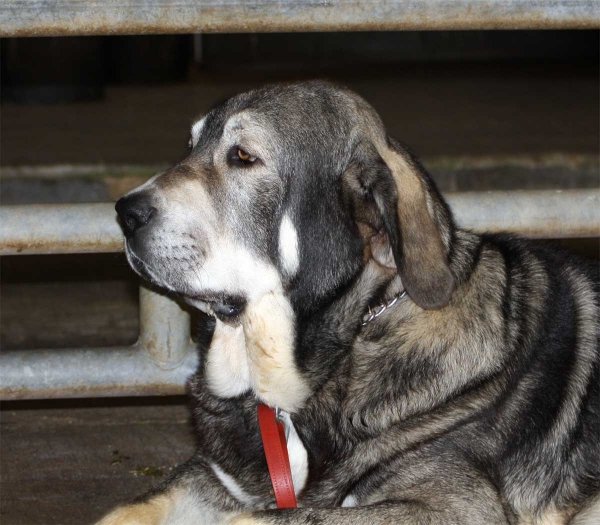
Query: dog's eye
[
  {"x": 244, "y": 157},
  {"x": 190, "y": 143}
]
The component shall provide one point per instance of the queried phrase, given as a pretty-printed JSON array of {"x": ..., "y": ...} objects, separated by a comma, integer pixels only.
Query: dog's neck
[
  {"x": 327, "y": 335},
  {"x": 303, "y": 350}
]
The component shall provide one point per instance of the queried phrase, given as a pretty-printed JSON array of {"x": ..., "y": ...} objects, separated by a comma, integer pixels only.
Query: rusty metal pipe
[
  {"x": 158, "y": 364},
  {"x": 108, "y": 372},
  {"x": 81, "y": 228},
  {"x": 110, "y": 17},
  {"x": 59, "y": 228},
  {"x": 164, "y": 329},
  {"x": 546, "y": 214}
]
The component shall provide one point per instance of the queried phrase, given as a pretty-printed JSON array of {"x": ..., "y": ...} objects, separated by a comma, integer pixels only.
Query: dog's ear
[{"x": 414, "y": 216}]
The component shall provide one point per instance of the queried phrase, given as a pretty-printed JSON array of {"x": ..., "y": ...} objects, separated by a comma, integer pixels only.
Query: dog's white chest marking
[
  {"x": 349, "y": 501},
  {"x": 298, "y": 465},
  {"x": 233, "y": 487},
  {"x": 296, "y": 452}
]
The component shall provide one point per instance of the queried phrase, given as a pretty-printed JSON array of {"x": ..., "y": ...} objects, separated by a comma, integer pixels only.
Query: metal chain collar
[{"x": 374, "y": 313}]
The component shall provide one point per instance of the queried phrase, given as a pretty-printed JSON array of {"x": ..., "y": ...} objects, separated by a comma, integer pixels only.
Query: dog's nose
[{"x": 135, "y": 212}]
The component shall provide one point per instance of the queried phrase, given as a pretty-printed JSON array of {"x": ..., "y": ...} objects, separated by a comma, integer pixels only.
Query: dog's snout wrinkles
[{"x": 134, "y": 212}]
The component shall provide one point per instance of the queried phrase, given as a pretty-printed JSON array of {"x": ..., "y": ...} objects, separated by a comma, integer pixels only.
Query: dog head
[{"x": 286, "y": 192}]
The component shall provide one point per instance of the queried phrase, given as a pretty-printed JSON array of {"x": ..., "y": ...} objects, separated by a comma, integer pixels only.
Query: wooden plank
[{"x": 70, "y": 462}]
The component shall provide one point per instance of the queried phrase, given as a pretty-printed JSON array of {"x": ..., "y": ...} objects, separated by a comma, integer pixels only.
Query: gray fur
[{"x": 475, "y": 399}]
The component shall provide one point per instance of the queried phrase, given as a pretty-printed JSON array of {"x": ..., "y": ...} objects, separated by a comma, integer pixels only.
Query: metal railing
[
  {"x": 75, "y": 17},
  {"x": 163, "y": 357},
  {"x": 158, "y": 364}
]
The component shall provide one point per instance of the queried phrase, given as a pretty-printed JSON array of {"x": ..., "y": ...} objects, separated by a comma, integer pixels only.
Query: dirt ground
[{"x": 68, "y": 462}]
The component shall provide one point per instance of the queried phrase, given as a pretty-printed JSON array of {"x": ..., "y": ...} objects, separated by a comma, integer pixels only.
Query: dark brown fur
[{"x": 474, "y": 400}]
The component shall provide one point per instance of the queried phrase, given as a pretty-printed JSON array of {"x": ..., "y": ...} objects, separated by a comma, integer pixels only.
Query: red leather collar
[{"x": 272, "y": 433}]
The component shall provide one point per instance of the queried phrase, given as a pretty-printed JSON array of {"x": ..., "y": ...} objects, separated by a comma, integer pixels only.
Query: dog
[{"x": 470, "y": 396}]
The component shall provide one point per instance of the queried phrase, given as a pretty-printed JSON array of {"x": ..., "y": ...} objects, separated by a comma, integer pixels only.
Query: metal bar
[
  {"x": 81, "y": 17},
  {"x": 108, "y": 372},
  {"x": 161, "y": 361},
  {"x": 79, "y": 228},
  {"x": 59, "y": 228},
  {"x": 164, "y": 329},
  {"x": 542, "y": 214},
  {"x": 158, "y": 364}
]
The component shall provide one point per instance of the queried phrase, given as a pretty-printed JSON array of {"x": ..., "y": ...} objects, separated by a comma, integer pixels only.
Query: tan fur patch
[
  {"x": 151, "y": 512},
  {"x": 227, "y": 370},
  {"x": 478, "y": 299},
  {"x": 269, "y": 329},
  {"x": 589, "y": 514},
  {"x": 548, "y": 517}
]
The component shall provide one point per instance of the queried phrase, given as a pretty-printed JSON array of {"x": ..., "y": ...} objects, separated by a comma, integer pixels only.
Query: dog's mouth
[{"x": 226, "y": 307}]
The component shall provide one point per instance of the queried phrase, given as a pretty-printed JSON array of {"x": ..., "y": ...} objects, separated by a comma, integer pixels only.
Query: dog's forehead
[{"x": 290, "y": 109}]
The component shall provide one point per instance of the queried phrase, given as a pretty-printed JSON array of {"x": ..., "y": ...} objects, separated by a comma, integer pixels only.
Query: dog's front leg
[
  {"x": 422, "y": 495},
  {"x": 191, "y": 496},
  {"x": 405, "y": 513},
  {"x": 176, "y": 506}
]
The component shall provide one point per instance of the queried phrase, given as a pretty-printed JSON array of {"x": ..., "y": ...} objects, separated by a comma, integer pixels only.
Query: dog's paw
[{"x": 151, "y": 512}]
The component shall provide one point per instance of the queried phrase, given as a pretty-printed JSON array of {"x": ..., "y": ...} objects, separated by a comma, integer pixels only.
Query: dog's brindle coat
[{"x": 474, "y": 400}]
